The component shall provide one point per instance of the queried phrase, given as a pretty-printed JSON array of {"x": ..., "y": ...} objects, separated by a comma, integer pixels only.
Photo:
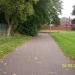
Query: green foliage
[
  {"x": 2, "y": 19},
  {"x": 16, "y": 10},
  {"x": 29, "y": 14},
  {"x": 73, "y": 12},
  {"x": 56, "y": 21},
  {"x": 44, "y": 11},
  {"x": 73, "y": 24},
  {"x": 73, "y": 21},
  {"x": 29, "y": 27}
]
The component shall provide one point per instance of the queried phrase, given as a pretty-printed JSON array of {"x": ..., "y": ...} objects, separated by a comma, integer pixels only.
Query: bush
[
  {"x": 29, "y": 27},
  {"x": 73, "y": 24}
]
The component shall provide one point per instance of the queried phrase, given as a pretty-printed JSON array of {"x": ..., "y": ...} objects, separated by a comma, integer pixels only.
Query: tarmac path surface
[{"x": 39, "y": 56}]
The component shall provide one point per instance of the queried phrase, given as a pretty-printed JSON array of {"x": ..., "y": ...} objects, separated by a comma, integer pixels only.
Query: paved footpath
[{"x": 39, "y": 56}]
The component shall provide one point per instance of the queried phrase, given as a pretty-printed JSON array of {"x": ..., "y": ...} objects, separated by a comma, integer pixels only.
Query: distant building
[{"x": 66, "y": 23}]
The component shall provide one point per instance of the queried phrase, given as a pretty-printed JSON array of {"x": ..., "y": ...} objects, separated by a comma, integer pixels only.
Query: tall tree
[
  {"x": 48, "y": 9},
  {"x": 15, "y": 10},
  {"x": 29, "y": 13},
  {"x": 44, "y": 11},
  {"x": 73, "y": 12}
]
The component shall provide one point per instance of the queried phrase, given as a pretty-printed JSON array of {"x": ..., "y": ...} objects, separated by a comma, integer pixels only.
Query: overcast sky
[{"x": 67, "y": 8}]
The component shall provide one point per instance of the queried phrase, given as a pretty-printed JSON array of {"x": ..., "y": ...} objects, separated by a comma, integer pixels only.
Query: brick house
[{"x": 65, "y": 24}]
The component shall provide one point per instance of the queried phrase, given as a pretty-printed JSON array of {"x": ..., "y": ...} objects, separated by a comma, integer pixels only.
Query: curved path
[{"x": 39, "y": 56}]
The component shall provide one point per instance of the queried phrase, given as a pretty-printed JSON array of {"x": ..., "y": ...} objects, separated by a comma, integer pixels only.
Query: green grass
[
  {"x": 66, "y": 40},
  {"x": 7, "y": 44}
]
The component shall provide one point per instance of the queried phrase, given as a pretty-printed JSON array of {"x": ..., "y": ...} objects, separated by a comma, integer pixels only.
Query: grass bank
[
  {"x": 9, "y": 43},
  {"x": 66, "y": 41}
]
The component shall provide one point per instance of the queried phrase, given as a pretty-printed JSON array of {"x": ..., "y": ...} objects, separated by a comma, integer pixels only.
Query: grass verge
[
  {"x": 9, "y": 43},
  {"x": 66, "y": 40}
]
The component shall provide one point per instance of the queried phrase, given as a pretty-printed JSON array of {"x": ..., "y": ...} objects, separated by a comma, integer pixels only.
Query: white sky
[{"x": 67, "y": 8}]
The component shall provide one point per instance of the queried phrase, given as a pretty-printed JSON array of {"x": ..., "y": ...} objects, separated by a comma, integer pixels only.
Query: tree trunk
[{"x": 9, "y": 30}]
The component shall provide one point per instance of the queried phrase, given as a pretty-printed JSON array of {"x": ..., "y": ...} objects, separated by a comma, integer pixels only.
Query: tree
[
  {"x": 44, "y": 11},
  {"x": 73, "y": 12},
  {"x": 73, "y": 20},
  {"x": 15, "y": 11},
  {"x": 56, "y": 20},
  {"x": 48, "y": 10},
  {"x": 29, "y": 14}
]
